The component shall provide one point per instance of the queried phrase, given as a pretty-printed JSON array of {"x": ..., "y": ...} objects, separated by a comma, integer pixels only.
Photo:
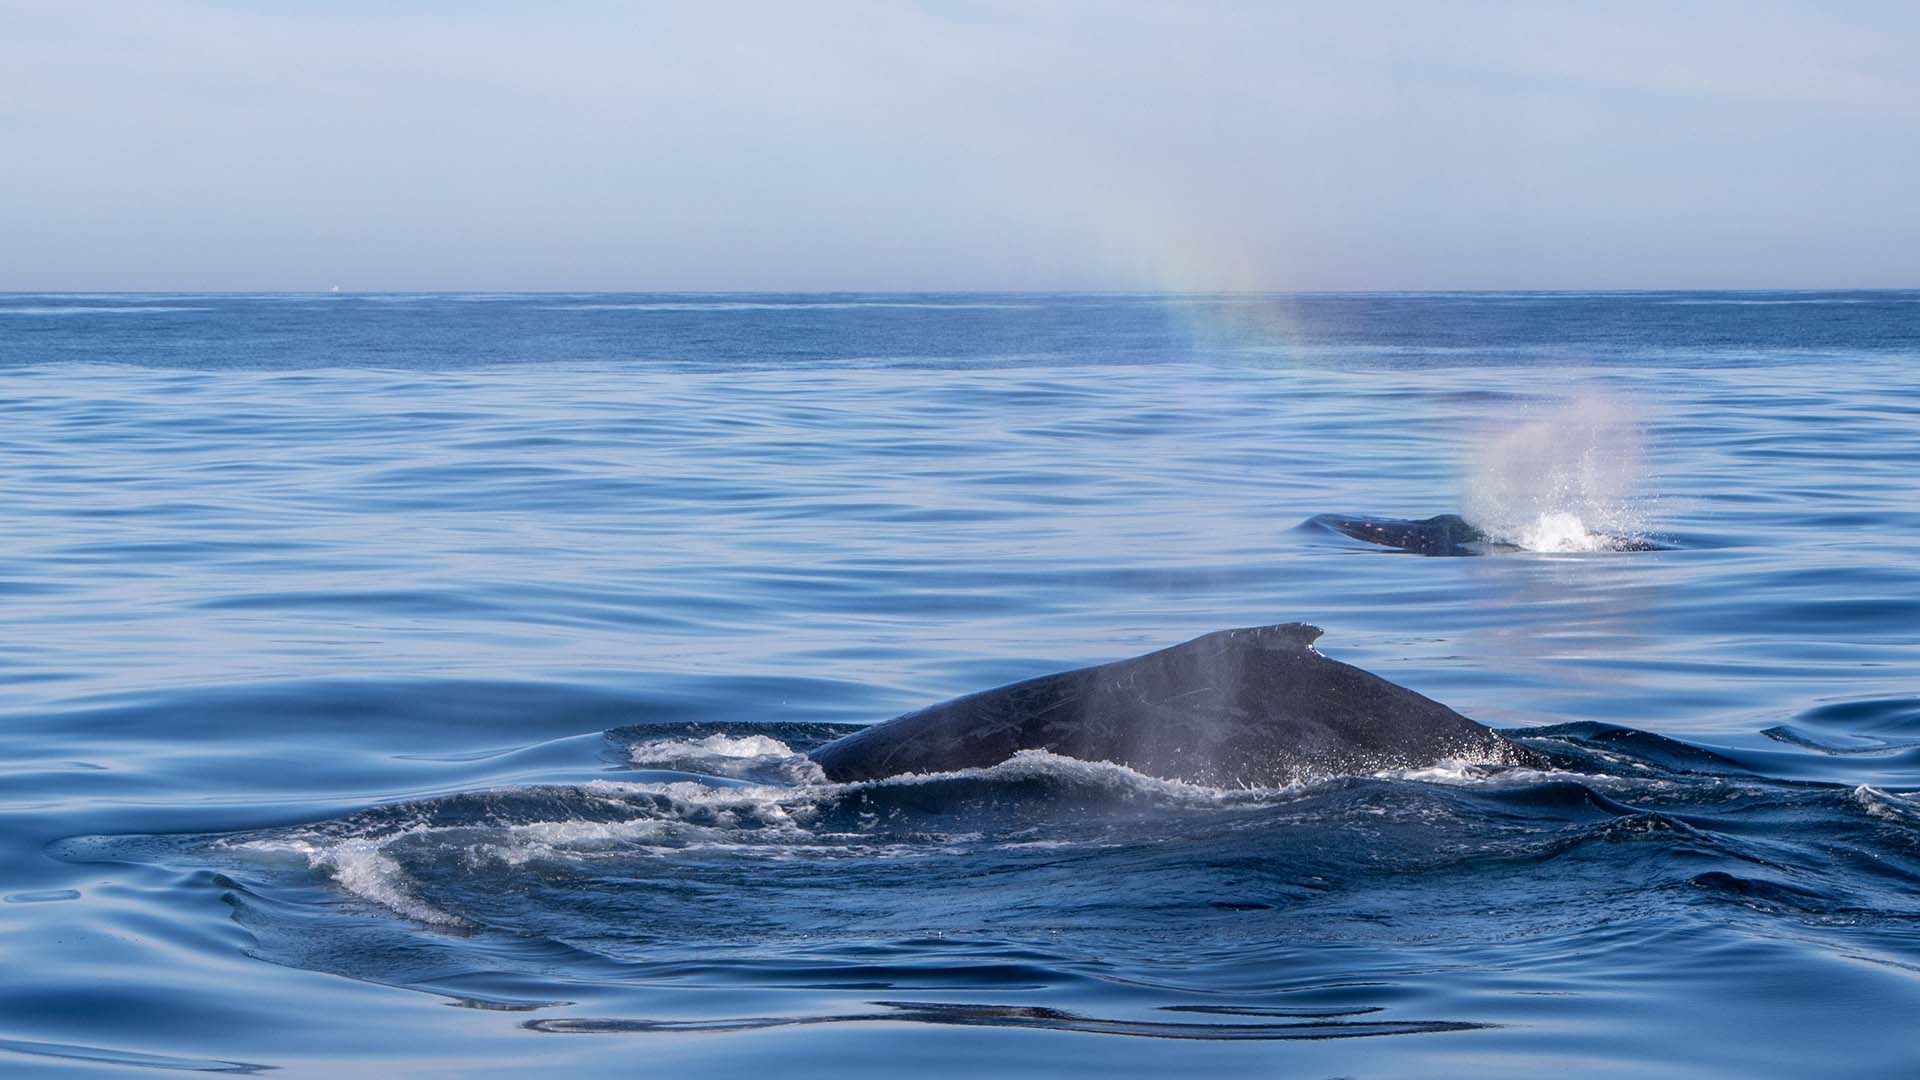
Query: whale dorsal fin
[{"x": 1280, "y": 637}]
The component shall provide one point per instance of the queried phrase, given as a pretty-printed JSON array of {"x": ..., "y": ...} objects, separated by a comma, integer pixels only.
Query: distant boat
[{"x": 336, "y": 288}]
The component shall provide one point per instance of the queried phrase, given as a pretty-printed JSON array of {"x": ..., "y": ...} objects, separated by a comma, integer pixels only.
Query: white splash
[
  {"x": 778, "y": 819},
  {"x": 1565, "y": 480},
  {"x": 1045, "y": 765},
  {"x": 1886, "y": 805},
  {"x": 361, "y": 866},
  {"x": 745, "y": 757},
  {"x": 719, "y": 746},
  {"x": 1559, "y": 531},
  {"x": 1474, "y": 772}
]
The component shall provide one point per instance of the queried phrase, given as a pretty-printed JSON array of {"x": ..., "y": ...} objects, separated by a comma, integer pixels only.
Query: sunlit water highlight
[{"x": 365, "y": 656}]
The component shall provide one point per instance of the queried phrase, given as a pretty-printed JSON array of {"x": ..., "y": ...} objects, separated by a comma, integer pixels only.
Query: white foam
[
  {"x": 1473, "y": 771},
  {"x": 756, "y": 821},
  {"x": 1886, "y": 805},
  {"x": 1022, "y": 766},
  {"x": 361, "y": 866},
  {"x": 1560, "y": 531},
  {"x": 748, "y": 757},
  {"x": 1043, "y": 764},
  {"x": 742, "y": 820}
]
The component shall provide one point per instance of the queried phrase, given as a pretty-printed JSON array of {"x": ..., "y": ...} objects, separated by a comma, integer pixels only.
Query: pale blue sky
[{"x": 227, "y": 145}]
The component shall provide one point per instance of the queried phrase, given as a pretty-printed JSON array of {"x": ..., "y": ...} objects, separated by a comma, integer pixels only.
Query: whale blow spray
[{"x": 1562, "y": 481}]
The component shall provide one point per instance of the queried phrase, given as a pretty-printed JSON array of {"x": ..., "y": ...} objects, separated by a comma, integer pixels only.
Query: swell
[
  {"x": 708, "y": 865},
  {"x": 745, "y": 811}
]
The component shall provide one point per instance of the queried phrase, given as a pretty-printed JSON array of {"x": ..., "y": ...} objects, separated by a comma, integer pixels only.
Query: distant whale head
[{"x": 1254, "y": 707}]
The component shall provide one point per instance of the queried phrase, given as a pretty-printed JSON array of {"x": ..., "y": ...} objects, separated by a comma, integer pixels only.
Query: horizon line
[{"x": 1487, "y": 290}]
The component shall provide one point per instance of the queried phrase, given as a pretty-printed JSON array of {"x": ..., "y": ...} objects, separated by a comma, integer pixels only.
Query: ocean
[{"x": 419, "y": 684}]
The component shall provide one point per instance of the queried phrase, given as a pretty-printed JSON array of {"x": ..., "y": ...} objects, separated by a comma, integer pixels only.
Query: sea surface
[{"x": 412, "y": 685}]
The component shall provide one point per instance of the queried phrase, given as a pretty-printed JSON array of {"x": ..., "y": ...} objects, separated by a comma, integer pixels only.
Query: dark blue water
[{"x": 415, "y": 684}]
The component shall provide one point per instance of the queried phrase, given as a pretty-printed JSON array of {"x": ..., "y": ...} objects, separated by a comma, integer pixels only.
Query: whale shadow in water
[
  {"x": 1443, "y": 534},
  {"x": 1254, "y": 707}
]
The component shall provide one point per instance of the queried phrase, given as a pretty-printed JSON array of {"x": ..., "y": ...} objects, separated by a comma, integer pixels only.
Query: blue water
[{"x": 363, "y": 656}]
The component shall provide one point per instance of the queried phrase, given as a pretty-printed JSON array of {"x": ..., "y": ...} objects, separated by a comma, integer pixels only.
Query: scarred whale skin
[{"x": 1256, "y": 707}]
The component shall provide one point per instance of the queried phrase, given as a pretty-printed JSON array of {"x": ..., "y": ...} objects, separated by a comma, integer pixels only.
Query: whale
[
  {"x": 1244, "y": 708},
  {"x": 1442, "y": 534}
]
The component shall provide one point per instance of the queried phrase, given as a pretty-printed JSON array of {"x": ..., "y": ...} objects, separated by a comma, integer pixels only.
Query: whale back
[
  {"x": 1446, "y": 534},
  {"x": 1442, "y": 534},
  {"x": 1254, "y": 707}
]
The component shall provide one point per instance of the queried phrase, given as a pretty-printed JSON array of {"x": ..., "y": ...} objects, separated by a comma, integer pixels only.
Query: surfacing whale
[
  {"x": 1442, "y": 534},
  {"x": 1256, "y": 707}
]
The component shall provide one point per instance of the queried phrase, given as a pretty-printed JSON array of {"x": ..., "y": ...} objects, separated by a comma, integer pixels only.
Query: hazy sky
[{"x": 230, "y": 145}]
